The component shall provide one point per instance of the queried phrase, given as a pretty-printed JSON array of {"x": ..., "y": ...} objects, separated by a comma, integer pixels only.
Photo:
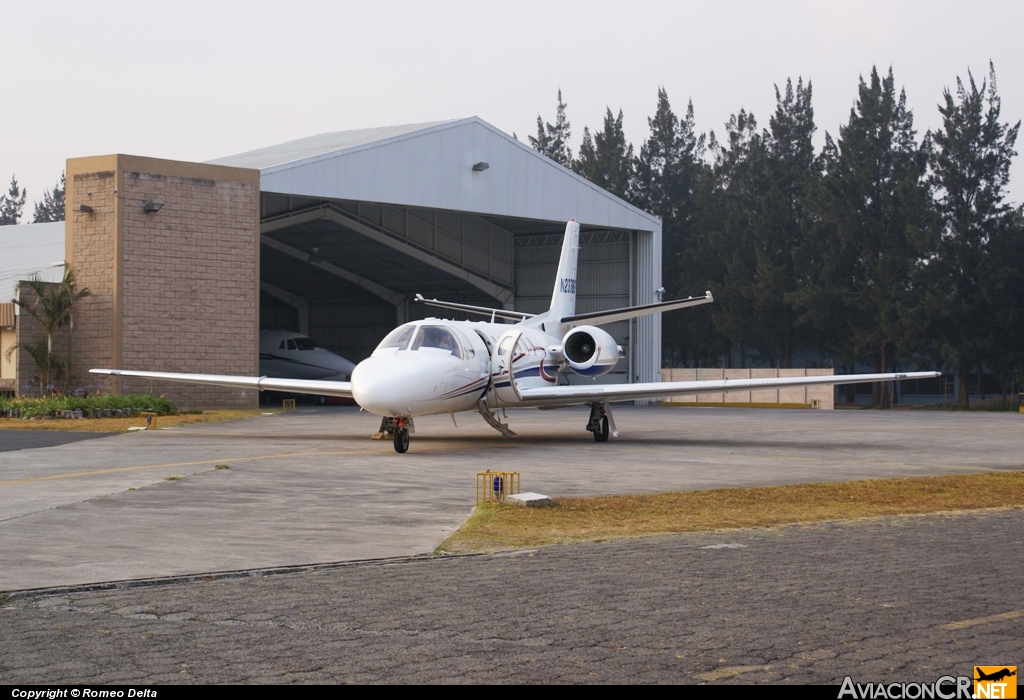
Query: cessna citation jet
[
  {"x": 434, "y": 366},
  {"x": 284, "y": 354}
]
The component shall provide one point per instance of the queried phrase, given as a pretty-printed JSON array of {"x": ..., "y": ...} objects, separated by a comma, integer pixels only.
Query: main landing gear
[
  {"x": 601, "y": 423},
  {"x": 398, "y": 429}
]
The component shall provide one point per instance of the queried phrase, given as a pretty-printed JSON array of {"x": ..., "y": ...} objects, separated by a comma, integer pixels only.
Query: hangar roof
[
  {"x": 432, "y": 165},
  {"x": 30, "y": 251},
  {"x": 321, "y": 144}
]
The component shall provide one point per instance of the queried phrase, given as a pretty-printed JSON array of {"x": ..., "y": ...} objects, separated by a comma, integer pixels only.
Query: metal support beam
[
  {"x": 497, "y": 291},
  {"x": 290, "y": 219},
  {"x": 301, "y": 304},
  {"x": 392, "y": 297},
  {"x": 325, "y": 211}
]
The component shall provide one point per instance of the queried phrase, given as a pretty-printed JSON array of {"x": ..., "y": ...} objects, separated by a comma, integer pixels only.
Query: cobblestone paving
[{"x": 895, "y": 599}]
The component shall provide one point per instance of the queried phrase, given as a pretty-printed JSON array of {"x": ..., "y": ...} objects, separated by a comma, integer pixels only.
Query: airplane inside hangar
[{"x": 351, "y": 226}]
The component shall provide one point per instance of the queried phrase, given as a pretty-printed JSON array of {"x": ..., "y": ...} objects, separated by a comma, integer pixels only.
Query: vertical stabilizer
[{"x": 563, "y": 299}]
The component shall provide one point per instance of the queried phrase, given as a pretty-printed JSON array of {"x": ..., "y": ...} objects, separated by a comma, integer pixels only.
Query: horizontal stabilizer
[
  {"x": 599, "y": 317},
  {"x": 482, "y": 310}
]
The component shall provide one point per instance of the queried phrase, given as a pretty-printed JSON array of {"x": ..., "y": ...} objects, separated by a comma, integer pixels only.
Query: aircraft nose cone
[{"x": 397, "y": 385}]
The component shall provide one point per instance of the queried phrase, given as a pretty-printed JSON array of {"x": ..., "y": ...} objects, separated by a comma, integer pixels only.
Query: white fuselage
[{"x": 435, "y": 366}]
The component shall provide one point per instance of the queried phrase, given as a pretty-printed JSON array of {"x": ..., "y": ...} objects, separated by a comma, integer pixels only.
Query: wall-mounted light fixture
[
  {"x": 84, "y": 208},
  {"x": 314, "y": 257},
  {"x": 480, "y": 167},
  {"x": 152, "y": 205}
]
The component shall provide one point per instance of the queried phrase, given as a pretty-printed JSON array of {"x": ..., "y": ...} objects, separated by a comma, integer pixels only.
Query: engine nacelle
[{"x": 590, "y": 351}]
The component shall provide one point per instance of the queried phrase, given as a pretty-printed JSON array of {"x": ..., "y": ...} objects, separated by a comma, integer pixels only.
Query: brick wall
[
  {"x": 93, "y": 253},
  {"x": 173, "y": 290}
]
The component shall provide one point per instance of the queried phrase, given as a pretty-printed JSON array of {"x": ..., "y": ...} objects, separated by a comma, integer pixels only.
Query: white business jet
[
  {"x": 435, "y": 366},
  {"x": 296, "y": 356}
]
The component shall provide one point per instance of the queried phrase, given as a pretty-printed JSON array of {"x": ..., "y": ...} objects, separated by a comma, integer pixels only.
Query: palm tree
[{"x": 53, "y": 308}]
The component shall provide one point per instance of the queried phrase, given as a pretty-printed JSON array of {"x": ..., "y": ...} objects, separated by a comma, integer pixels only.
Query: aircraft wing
[
  {"x": 582, "y": 393},
  {"x": 319, "y": 387}
]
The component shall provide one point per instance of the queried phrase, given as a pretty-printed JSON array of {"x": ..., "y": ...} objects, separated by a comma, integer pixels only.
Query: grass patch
[
  {"x": 119, "y": 425},
  {"x": 222, "y": 466},
  {"x": 497, "y": 527},
  {"x": 174, "y": 477}
]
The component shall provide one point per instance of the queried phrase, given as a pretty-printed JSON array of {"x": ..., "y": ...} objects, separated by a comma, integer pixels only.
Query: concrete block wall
[
  {"x": 173, "y": 290},
  {"x": 823, "y": 395},
  {"x": 93, "y": 255}
]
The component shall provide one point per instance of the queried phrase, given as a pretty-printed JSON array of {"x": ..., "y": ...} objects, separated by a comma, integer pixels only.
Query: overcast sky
[{"x": 195, "y": 81}]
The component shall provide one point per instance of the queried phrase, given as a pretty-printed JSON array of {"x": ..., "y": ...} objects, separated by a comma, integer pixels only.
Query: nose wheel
[{"x": 401, "y": 439}]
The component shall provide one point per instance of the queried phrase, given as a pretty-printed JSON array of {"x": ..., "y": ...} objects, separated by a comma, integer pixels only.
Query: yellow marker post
[
  {"x": 288, "y": 404},
  {"x": 150, "y": 419},
  {"x": 493, "y": 487}
]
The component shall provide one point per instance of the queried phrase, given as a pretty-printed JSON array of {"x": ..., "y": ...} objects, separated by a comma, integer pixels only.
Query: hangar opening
[{"x": 346, "y": 273}]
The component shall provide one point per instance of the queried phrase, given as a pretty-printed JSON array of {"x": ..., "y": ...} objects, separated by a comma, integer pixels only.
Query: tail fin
[{"x": 563, "y": 299}]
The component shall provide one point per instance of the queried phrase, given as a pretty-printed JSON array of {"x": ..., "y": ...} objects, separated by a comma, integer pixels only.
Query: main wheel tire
[
  {"x": 602, "y": 434},
  {"x": 402, "y": 439}
]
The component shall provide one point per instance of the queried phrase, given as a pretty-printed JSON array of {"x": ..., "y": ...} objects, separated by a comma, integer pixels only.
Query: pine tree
[
  {"x": 12, "y": 203},
  {"x": 667, "y": 172},
  {"x": 870, "y": 212},
  {"x": 586, "y": 163},
  {"x": 52, "y": 206},
  {"x": 778, "y": 230},
  {"x": 553, "y": 139},
  {"x": 970, "y": 169},
  {"x": 739, "y": 181},
  {"x": 614, "y": 157},
  {"x": 669, "y": 163}
]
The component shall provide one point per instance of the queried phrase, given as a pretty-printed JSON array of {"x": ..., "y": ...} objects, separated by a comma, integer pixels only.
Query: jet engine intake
[{"x": 590, "y": 351}]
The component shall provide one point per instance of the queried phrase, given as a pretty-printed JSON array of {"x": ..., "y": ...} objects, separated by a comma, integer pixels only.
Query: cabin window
[{"x": 506, "y": 345}]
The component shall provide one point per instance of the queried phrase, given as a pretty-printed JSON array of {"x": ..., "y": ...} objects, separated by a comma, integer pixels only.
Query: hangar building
[{"x": 334, "y": 235}]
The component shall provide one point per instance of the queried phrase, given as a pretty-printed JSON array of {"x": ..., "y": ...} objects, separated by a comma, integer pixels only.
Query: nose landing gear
[
  {"x": 401, "y": 439},
  {"x": 398, "y": 429}
]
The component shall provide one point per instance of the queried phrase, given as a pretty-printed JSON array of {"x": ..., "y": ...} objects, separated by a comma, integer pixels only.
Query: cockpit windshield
[
  {"x": 438, "y": 337},
  {"x": 398, "y": 338},
  {"x": 411, "y": 337}
]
